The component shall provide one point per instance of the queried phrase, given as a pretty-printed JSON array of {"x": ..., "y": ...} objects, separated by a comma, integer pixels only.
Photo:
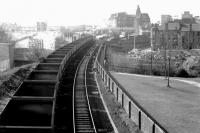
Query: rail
[
  {"x": 87, "y": 92},
  {"x": 85, "y": 89}
]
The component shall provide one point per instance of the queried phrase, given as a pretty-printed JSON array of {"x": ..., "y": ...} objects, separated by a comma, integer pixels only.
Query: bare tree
[{"x": 4, "y": 36}]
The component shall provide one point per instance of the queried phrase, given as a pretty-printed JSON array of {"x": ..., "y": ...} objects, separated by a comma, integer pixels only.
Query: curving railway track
[
  {"x": 59, "y": 96},
  {"x": 89, "y": 112},
  {"x": 83, "y": 119}
]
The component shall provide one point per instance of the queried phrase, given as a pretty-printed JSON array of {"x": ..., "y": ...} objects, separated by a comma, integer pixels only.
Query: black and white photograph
[{"x": 99, "y": 66}]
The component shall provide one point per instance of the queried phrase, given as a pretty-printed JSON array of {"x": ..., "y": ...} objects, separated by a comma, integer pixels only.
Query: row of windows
[{"x": 36, "y": 44}]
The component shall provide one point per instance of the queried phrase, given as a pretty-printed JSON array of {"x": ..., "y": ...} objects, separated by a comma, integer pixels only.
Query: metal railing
[{"x": 135, "y": 111}]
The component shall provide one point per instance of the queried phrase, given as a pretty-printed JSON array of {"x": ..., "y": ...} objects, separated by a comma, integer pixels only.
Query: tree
[
  {"x": 4, "y": 36},
  {"x": 36, "y": 54}
]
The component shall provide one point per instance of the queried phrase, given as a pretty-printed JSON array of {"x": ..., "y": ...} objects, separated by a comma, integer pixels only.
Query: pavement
[{"x": 177, "y": 108}]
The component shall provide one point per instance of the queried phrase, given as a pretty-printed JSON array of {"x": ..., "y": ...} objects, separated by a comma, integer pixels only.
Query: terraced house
[{"x": 176, "y": 35}]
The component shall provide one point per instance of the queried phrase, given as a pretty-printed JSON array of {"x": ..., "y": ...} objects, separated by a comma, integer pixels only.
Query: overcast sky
[{"x": 76, "y": 12}]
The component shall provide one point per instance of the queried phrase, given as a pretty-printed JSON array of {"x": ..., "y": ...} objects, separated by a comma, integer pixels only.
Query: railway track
[
  {"x": 83, "y": 118},
  {"x": 100, "y": 116},
  {"x": 89, "y": 112}
]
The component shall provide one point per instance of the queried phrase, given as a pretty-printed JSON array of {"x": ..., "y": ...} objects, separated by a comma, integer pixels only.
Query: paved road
[{"x": 176, "y": 108}]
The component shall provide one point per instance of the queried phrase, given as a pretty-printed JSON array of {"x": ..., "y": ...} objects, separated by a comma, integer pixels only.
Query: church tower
[
  {"x": 138, "y": 12},
  {"x": 137, "y": 20}
]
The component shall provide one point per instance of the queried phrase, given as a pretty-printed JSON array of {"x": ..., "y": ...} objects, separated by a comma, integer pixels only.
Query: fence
[
  {"x": 4, "y": 65},
  {"x": 135, "y": 111}
]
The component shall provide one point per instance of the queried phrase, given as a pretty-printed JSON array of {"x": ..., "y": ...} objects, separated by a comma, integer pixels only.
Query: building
[
  {"x": 188, "y": 18},
  {"x": 181, "y": 33},
  {"x": 41, "y": 26},
  {"x": 176, "y": 35},
  {"x": 36, "y": 43},
  {"x": 121, "y": 19},
  {"x": 187, "y": 15},
  {"x": 139, "y": 23},
  {"x": 197, "y": 19},
  {"x": 165, "y": 19},
  {"x": 143, "y": 23}
]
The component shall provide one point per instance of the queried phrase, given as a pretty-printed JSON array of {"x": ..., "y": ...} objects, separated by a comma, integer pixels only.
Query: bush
[
  {"x": 179, "y": 66},
  {"x": 182, "y": 73},
  {"x": 4, "y": 36}
]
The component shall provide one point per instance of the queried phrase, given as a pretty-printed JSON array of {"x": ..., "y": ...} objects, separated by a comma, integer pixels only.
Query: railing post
[
  {"x": 139, "y": 120},
  {"x": 109, "y": 83},
  {"x": 122, "y": 100},
  {"x": 113, "y": 87},
  {"x": 153, "y": 128},
  {"x": 129, "y": 107},
  {"x": 117, "y": 94}
]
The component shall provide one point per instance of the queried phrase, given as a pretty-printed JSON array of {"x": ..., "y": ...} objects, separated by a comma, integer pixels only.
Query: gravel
[{"x": 118, "y": 114}]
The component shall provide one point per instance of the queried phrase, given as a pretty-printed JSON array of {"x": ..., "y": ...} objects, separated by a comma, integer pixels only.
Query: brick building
[
  {"x": 36, "y": 43},
  {"x": 165, "y": 19},
  {"x": 139, "y": 23},
  {"x": 176, "y": 35},
  {"x": 122, "y": 19}
]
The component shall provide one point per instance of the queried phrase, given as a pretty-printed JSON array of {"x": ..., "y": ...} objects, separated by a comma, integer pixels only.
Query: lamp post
[
  {"x": 168, "y": 85},
  {"x": 151, "y": 48},
  {"x": 169, "y": 59},
  {"x": 165, "y": 45},
  {"x": 134, "y": 42}
]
